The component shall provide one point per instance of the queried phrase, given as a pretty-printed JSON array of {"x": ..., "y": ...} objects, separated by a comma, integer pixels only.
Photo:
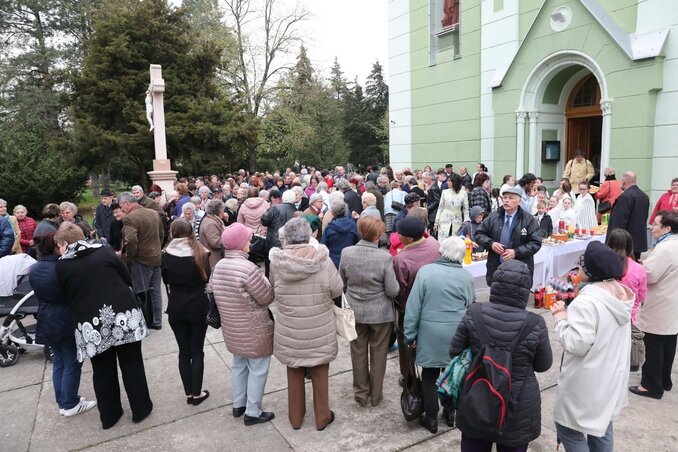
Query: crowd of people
[{"x": 391, "y": 242}]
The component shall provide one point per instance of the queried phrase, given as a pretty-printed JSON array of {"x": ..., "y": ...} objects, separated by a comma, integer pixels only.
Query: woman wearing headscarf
[
  {"x": 109, "y": 324},
  {"x": 441, "y": 293},
  {"x": 185, "y": 269},
  {"x": 595, "y": 333},
  {"x": 371, "y": 286},
  {"x": 242, "y": 294},
  {"x": 305, "y": 282},
  {"x": 503, "y": 319}
]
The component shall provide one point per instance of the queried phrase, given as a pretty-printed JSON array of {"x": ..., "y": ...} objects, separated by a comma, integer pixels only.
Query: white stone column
[
  {"x": 606, "y": 107},
  {"x": 533, "y": 144},
  {"x": 162, "y": 173},
  {"x": 520, "y": 143}
]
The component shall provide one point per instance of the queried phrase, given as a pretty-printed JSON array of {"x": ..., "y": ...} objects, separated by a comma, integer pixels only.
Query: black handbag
[
  {"x": 213, "y": 318},
  {"x": 395, "y": 205},
  {"x": 604, "y": 207},
  {"x": 146, "y": 303},
  {"x": 258, "y": 245},
  {"x": 411, "y": 399}
]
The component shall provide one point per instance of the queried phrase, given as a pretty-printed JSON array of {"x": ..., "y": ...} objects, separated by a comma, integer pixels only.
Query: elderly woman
[
  {"x": 26, "y": 226},
  {"x": 595, "y": 333},
  {"x": 668, "y": 201},
  {"x": 16, "y": 245},
  {"x": 230, "y": 211},
  {"x": 210, "y": 231},
  {"x": 188, "y": 214},
  {"x": 658, "y": 316},
  {"x": 371, "y": 285},
  {"x": 205, "y": 195},
  {"x": 341, "y": 232},
  {"x": 506, "y": 323},
  {"x": 243, "y": 294},
  {"x": 108, "y": 322},
  {"x": 369, "y": 202},
  {"x": 305, "y": 281},
  {"x": 69, "y": 212},
  {"x": 441, "y": 293}
]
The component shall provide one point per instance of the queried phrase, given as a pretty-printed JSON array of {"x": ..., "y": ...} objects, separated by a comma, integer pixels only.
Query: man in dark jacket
[
  {"x": 351, "y": 198},
  {"x": 630, "y": 213},
  {"x": 503, "y": 318},
  {"x": 509, "y": 233},
  {"x": 276, "y": 217},
  {"x": 103, "y": 216}
]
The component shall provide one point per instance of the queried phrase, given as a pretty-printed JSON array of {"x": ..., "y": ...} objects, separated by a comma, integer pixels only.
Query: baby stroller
[{"x": 15, "y": 337}]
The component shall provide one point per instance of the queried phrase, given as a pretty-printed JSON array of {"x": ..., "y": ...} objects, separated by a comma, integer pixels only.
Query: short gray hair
[
  {"x": 453, "y": 249},
  {"x": 137, "y": 188},
  {"x": 342, "y": 184},
  {"x": 382, "y": 178},
  {"x": 231, "y": 203},
  {"x": 315, "y": 197},
  {"x": 296, "y": 231},
  {"x": 264, "y": 194},
  {"x": 322, "y": 186},
  {"x": 188, "y": 206},
  {"x": 288, "y": 196},
  {"x": 195, "y": 199},
  {"x": 369, "y": 199},
  {"x": 20, "y": 207},
  {"x": 126, "y": 197},
  {"x": 337, "y": 207},
  {"x": 203, "y": 189},
  {"x": 68, "y": 206},
  {"x": 4, "y": 203},
  {"x": 215, "y": 207}
]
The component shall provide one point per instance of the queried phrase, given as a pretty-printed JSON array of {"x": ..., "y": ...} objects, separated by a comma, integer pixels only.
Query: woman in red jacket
[
  {"x": 668, "y": 201},
  {"x": 609, "y": 191},
  {"x": 26, "y": 225}
]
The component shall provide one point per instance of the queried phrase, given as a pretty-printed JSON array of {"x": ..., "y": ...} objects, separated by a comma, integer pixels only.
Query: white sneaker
[
  {"x": 81, "y": 407},
  {"x": 62, "y": 411}
]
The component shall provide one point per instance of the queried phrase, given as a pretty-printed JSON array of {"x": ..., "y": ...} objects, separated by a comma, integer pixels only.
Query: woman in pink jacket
[
  {"x": 251, "y": 210},
  {"x": 634, "y": 273}
]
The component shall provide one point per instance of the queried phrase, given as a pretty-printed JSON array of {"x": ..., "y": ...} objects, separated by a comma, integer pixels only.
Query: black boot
[{"x": 429, "y": 424}]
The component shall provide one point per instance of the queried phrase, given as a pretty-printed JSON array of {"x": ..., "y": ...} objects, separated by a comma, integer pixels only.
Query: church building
[{"x": 522, "y": 85}]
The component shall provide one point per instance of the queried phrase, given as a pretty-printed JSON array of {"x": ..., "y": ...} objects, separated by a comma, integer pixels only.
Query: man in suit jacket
[{"x": 630, "y": 212}]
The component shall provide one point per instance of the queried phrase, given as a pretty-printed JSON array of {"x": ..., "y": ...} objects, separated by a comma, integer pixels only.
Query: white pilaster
[
  {"x": 534, "y": 143},
  {"x": 520, "y": 142},
  {"x": 606, "y": 107}
]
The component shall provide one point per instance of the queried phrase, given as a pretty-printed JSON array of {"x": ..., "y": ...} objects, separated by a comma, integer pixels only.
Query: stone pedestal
[{"x": 163, "y": 175}]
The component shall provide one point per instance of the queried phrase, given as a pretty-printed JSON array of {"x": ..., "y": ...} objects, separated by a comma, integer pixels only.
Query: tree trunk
[
  {"x": 106, "y": 176},
  {"x": 252, "y": 157}
]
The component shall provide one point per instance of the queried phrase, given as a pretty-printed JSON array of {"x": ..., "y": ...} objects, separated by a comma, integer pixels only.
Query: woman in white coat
[
  {"x": 595, "y": 333},
  {"x": 585, "y": 207}
]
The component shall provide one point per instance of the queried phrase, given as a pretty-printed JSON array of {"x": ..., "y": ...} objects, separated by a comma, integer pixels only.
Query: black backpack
[{"x": 487, "y": 399}]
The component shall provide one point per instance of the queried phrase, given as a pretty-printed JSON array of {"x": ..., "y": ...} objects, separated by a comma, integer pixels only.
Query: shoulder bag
[
  {"x": 412, "y": 399},
  {"x": 213, "y": 318},
  {"x": 345, "y": 320}
]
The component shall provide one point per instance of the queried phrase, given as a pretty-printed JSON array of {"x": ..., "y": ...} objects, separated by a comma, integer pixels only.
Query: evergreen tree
[{"x": 337, "y": 80}]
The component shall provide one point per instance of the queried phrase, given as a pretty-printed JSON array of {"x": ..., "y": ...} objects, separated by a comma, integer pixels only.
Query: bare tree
[{"x": 263, "y": 32}]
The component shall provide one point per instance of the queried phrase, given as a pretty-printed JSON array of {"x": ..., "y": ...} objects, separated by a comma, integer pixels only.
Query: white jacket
[{"x": 596, "y": 339}]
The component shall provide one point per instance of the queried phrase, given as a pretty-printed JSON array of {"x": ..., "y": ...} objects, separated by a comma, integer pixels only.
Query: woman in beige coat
[
  {"x": 243, "y": 294},
  {"x": 210, "y": 230},
  {"x": 305, "y": 281}
]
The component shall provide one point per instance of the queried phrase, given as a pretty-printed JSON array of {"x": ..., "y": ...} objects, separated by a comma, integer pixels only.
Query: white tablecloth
[{"x": 550, "y": 261}]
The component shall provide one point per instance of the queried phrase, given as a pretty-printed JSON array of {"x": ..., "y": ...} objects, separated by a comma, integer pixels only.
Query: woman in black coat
[
  {"x": 107, "y": 320},
  {"x": 504, "y": 317},
  {"x": 185, "y": 268}
]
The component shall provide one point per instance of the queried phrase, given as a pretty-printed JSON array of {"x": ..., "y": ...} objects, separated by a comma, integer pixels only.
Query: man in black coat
[
  {"x": 103, "y": 218},
  {"x": 630, "y": 213},
  {"x": 521, "y": 241}
]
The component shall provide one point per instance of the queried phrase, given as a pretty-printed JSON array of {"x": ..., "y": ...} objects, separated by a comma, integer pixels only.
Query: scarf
[{"x": 79, "y": 248}]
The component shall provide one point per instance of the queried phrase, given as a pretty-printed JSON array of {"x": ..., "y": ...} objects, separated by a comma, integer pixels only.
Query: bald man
[{"x": 630, "y": 212}]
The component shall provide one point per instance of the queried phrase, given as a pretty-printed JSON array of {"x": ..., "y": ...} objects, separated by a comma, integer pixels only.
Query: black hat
[
  {"x": 411, "y": 227},
  {"x": 274, "y": 194},
  {"x": 601, "y": 262},
  {"x": 449, "y": 165},
  {"x": 217, "y": 190},
  {"x": 411, "y": 198},
  {"x": 106, "y": 192}
]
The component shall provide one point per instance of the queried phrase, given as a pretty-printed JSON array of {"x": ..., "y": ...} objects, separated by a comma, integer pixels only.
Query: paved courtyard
[{"x": 30, "y": 420}]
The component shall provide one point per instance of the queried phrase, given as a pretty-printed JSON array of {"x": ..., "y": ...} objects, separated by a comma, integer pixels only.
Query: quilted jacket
[
  {"x": 305, "y": 281},
  {"x": 242, "y": 294},
  {"x": 250, "y": 214},
  {"x": 504, "y": 316}
]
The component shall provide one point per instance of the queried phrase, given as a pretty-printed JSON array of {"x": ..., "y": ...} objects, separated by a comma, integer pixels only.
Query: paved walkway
[{"x": 30, "y": 420}]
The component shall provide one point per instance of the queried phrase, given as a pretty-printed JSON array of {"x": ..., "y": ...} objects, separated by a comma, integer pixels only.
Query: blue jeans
[
  {"x": 575, "y": 441},
  {"x": 249, "y": 377},
  {"x": 66, "y": 373}
]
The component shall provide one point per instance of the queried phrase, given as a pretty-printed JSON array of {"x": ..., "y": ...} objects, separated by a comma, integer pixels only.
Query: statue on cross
[{"x": 149, "y": 107}]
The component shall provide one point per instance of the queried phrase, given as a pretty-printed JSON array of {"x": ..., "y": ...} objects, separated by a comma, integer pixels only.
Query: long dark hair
[
  {"x": 622, "y": 243},
  {"x": 181, "y": 228},
  {"x": 455, "y": 182}
]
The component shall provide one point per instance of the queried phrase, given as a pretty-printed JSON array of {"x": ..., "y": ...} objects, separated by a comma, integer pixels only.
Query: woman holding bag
[
  {"x": 371, "y": 285},
  {"x": 185, "y": 269}
]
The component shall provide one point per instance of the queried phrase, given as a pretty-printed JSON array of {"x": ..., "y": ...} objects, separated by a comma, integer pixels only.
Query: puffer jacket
[
  {"x": 242, "y": 294},
  {"x": 504, "y": 317},
  {"x": 250, "y": 214},
  {"x": 304, "y": 281}
]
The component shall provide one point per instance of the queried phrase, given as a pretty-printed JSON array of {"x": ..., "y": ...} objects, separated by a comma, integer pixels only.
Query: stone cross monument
[{"x": 162, "y": 173}]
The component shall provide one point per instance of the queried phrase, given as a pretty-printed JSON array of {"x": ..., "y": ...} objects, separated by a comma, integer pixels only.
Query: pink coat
[
  {"x": 250, "y": 214},
  {"x": 636, "y": 280}
]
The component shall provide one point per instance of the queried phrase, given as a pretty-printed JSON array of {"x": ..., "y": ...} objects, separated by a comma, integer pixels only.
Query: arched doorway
[{"x": 584, "y": 121}]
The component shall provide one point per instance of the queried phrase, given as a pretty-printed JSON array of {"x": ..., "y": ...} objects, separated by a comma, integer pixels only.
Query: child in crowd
[
  {"x": 544, "y": 219},
  {"x": 468, "y": 229}
]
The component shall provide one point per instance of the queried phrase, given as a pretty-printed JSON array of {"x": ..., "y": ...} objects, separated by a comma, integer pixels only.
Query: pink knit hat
[{"x": 235, "y": 237}]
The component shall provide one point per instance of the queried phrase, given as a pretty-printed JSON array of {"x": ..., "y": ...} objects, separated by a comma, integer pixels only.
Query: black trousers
[
  {"x": 107, "y": 387},
  {"x": 190, "y": 335},
  {"x": 429, "y": 375},
  {"x": 660, "y": 351}
]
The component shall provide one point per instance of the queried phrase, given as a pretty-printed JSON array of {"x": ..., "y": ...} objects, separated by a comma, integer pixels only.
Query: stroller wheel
[
  {"x": 49, "y": 354},
  {"x": 9, "y": 355}
]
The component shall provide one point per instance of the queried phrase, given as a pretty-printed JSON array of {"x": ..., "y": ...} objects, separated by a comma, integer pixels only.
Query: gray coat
[{"x": 369, "y": 282}]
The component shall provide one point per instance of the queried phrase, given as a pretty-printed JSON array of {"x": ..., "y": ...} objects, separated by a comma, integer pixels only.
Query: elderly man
[
  {"x": 578, "y": 169},
  {"x": 382, "y": 183},
  {"x": 509, "y": 233},
  {"x": 143, "y": 234},
  {"x": 630, "y": 212},
  {"x": 103, "y": 216},
  {"x": 147, "y": 202},
  {"x": 465, "y": 177}
]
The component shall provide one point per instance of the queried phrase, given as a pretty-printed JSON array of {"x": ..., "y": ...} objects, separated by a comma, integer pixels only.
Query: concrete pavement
[{"x": 30, "y": 420}]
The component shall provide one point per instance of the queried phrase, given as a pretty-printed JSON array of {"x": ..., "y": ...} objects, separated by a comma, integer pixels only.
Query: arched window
[{"x": 586, "y": 94}]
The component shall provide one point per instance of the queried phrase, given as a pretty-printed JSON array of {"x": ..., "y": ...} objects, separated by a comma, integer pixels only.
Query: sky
[{"x": 355, "y": 31}]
